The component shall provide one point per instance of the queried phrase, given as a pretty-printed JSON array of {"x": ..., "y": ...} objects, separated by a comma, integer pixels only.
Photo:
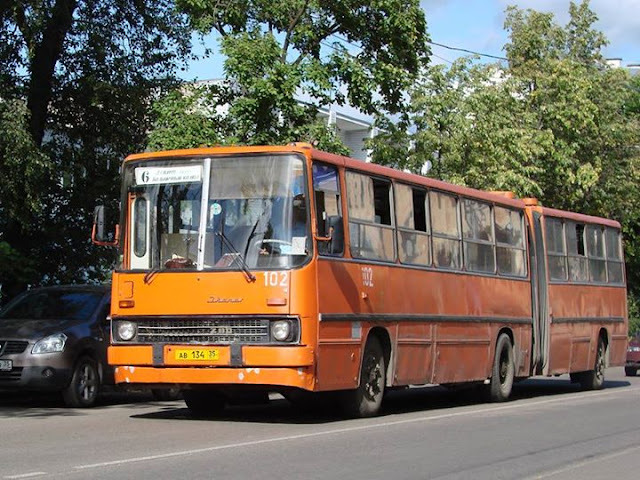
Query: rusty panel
[
  {"x": 581, "y": 358},
  {"x": 618, "y": 350},
  {"x": 559, "y": 348},
  {"x": 352, "y": 287},
  {"x": 579, "y": 301},
  {"x": 600, "y": 305},
  {"x": 413, "y": 363},
  {"x": 338, "y": 365}
]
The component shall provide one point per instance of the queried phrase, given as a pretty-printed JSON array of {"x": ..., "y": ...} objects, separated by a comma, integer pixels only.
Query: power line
[
  {"x": 466, "y": 51},
  {"x": 348, "y": 42}
]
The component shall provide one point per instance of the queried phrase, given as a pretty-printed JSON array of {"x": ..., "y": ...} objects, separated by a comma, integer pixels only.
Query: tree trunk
[{"x": 45, "y": 56}]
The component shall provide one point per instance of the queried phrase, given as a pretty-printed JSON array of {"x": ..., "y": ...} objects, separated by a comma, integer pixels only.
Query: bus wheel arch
[
  {"x": 385, "y": 342},
  {"x": 365, "y": 400}
]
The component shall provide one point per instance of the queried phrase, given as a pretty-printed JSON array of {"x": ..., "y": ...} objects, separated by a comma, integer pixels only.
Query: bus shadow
[
  {"x": 396, "y": 402},
  {"x": 25, "y": 404}
]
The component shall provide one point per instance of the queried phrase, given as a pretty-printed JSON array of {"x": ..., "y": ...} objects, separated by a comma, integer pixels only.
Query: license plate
[
  {"x": 196, "y": 354},
  {"x": 6, "y": 365}
]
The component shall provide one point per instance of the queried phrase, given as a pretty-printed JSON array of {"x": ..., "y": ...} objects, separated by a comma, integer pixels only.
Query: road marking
[
  {"x": 336, "y": 431},
  {"x": 584, "y": 463},
  {"x": 25, "y": 475}
]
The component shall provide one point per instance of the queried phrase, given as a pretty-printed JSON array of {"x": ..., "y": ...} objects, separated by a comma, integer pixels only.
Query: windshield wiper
[{"x": 237, "y": 256}]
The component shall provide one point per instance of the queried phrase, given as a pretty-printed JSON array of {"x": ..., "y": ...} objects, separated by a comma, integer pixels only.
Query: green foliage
[
  {"x": 278, "y": 53},
  {"x": 86, "y": 70},
  {"x": 186, "y": 118},
  {"x": 553, "y": 122},
  {"x": 634, "y": 315}
]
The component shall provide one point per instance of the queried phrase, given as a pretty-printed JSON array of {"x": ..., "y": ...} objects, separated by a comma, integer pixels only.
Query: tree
[
  {"x": 552, "y": 122},
  {"x": 278, "y": 53},
  {"x": 78, "y": 76}
]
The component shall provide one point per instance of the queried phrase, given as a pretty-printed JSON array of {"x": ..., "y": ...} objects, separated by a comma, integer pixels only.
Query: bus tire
[
  {"x": 594, "y": 379},
  {"x": 630, "y": 371},
  {"x": 503, "y": 371},
  {"x": 365, "y": 401},
  {"x": 204, "y": 402}
]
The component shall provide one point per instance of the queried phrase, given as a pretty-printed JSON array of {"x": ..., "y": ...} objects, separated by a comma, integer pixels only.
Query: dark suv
[{"x": 56, "y": 339}]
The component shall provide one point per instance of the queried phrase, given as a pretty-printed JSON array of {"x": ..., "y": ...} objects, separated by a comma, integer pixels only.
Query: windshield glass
[
  {"x": 53, "y": 305},
  {"x": 215, "y": 213}
]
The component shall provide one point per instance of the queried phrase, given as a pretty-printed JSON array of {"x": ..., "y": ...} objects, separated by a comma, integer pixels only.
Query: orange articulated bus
[{"x": 287, "y": 269}]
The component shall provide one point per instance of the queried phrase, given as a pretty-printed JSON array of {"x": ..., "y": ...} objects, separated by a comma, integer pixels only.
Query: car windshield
[
  {"x": 217, "y": 213},
  {"x": 53, "y": 305}
]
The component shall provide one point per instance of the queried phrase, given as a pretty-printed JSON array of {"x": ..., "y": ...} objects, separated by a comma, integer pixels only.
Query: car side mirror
[{"x": 99, "y": 235}]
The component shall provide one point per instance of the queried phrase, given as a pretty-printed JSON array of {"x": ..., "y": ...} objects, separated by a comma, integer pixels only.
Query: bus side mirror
[
  {"x": 98, "y": 234},
  {"x": 336, "y": 234}
]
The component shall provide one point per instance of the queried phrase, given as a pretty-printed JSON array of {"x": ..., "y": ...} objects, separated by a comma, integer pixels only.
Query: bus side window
[
  {"x": 576, "y": 255},
  {"x": 371, "y": 232},
  {"x": 510, "y": 249},
  {"x": 556, "y": 250},
  {"x": 614, "y": 256},
  {"x": 326, "y": 189},
  {"x": 445, "y": 228},
  {"x": 477, "y": 232},
  {"x": 595, "y": 252},
  {"x": 414, "y": 245}
]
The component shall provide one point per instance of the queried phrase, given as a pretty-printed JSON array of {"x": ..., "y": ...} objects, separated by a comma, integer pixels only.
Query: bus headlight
[
  {"x": 125, "y": 330},
  {"x": 281, "y": 330}
]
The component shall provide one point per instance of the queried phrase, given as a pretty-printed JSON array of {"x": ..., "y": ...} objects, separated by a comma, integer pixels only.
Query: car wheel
[
  {"x": 630, "y": 371},
  {"x": 82, "y": 391}
]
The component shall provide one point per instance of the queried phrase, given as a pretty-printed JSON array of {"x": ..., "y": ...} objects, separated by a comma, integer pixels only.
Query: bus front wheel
[{"x": 365, "y": 401}]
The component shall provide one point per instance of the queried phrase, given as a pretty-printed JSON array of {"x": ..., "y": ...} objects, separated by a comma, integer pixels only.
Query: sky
[{"x": 477, "y": 25}]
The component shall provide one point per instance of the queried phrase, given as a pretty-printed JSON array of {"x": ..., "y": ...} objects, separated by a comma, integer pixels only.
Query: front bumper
[
  {"x": 291, "y": 366},
  {"x": 40, "y": 377}
]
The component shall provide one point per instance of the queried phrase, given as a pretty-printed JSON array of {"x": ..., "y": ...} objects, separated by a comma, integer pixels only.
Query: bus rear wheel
[
  {"x": 503, "y": 371},
  {"x": 365, "y": 401}
]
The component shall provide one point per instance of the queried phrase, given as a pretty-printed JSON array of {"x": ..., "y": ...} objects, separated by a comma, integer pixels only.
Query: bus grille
[{"x": 204, "y": 330}]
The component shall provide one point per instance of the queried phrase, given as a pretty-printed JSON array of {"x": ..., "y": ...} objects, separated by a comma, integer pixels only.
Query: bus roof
[{"x": 374, "y": 169}]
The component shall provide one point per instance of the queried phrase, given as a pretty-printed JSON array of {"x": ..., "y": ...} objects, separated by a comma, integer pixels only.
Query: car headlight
[
  {"x": 281, "y": 330},
  {"x": 51, "y": 344},
  {"x": 633, "y": 349},
  {"x": 126, "y": 330}
]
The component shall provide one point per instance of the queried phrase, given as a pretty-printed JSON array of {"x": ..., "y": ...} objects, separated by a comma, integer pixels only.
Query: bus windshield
[{"x": 217, "y": 213}]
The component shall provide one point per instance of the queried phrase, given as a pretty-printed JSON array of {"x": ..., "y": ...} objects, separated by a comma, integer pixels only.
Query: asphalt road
[{"x": 549, "y": 430}]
